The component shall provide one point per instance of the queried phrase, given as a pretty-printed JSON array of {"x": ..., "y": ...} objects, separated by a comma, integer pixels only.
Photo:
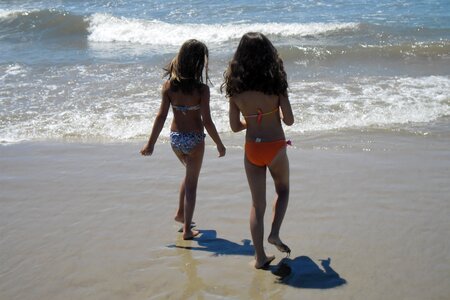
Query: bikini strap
[{"x": 260, "y": 114}]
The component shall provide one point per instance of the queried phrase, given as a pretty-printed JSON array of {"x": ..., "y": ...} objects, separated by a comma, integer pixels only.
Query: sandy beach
[
  {"x": 84, "y": 216},
  {"x": 367, "y": 219}
]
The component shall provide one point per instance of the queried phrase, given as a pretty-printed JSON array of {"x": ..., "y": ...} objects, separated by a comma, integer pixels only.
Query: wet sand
[{"x": 367, "y": 219}]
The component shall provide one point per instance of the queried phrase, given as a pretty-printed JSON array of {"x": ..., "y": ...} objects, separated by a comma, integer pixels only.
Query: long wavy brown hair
[
  {"x": 185, "y": 71},
  {"x": 256, "y": 66}
]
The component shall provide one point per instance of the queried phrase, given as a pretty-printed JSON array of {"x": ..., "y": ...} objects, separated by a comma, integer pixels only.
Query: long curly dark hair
[
  {"x": 185, "y": 71},
  {"x": 255, "y": 66}
]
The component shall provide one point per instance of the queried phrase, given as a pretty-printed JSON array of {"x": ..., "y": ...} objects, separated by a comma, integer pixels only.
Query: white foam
[
  {"x": 14, "y": 69},
  {"x": 9, "y": 13},
  {"x": 4, "y": 13},
  {"x": 107, "y": 28},
  {"x": 118, "y": 115},
  {"x": 369, "y": 102}
]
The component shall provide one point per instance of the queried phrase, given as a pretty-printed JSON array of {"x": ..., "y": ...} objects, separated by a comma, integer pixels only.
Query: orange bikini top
[{"x": 260, "y": 114}]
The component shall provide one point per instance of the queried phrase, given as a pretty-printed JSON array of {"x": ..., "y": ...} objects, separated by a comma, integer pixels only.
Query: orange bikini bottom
[{"x": 262, "y": 153}]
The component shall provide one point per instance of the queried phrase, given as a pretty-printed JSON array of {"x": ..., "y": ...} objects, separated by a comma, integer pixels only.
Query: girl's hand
[
  {"x": 147, "y": 150},
  {"x": 221, "y": 149}
]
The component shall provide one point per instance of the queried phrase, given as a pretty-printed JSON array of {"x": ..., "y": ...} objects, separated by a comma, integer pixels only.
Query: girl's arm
[
  {"x": 208, "y": 122},
  {"x": 236, "y": 123},
  {"x": 286, "y": 110},
  {"x": 159, "y": 121}
]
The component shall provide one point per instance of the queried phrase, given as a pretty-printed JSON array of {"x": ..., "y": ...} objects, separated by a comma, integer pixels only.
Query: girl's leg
[
  {"x": 256, "y": 177},
  {"x": 179, "y": 216},
  {"x": 279, "y": 169},
  {"x": 193, "y": 166}
]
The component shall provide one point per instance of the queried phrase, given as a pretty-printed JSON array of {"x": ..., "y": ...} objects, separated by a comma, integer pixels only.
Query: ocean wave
[
  {"x": 107, "y": 28},
  {"x": 23, "y": 25},
  {"x": 100, "y": 27},
  {"x": 119, "y": 103},
  {"x": 319, "y": 40},
  {"x": 364, "y": 52},
  {"x": 369, "y": 102}
]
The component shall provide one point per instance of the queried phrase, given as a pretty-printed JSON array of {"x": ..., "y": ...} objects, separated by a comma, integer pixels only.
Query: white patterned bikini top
[{"x": 184, "y": 109}]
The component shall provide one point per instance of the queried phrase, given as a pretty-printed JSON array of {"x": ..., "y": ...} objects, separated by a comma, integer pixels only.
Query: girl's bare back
[{"x": 262, "y": 114}]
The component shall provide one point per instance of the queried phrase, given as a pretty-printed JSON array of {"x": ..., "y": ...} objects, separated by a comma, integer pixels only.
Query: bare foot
[
  {"x": 181, "y": 220},
  {"x": 182, "y": 228},
  {"x": 190, "y": 234},
  {"x": 279, "y": 244},
  {"x": 264, "y": 264}
]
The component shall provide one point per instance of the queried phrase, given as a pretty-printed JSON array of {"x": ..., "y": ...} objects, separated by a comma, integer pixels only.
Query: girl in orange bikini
[
  {"x": 188, "y": 95},
  {"x": 256, "y": 85}
]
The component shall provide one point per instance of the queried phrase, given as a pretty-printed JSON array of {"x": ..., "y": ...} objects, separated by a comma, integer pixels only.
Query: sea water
[{"x": 91, "y": 70}]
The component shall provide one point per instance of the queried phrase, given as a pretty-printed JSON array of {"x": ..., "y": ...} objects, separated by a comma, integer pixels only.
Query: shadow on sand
[
  {"x": 303, "y": 272},
  {"x": 208, "y": 241},
  {"x": 300, "y": 272}
]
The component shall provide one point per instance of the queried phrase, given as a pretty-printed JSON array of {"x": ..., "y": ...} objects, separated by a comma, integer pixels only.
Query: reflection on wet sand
[
  {"x": 197, "y": 286},
  {"x": 194, "y": 285},
  {"x": 263, "y": 287},
  {"x": 208, "y": 241}
]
